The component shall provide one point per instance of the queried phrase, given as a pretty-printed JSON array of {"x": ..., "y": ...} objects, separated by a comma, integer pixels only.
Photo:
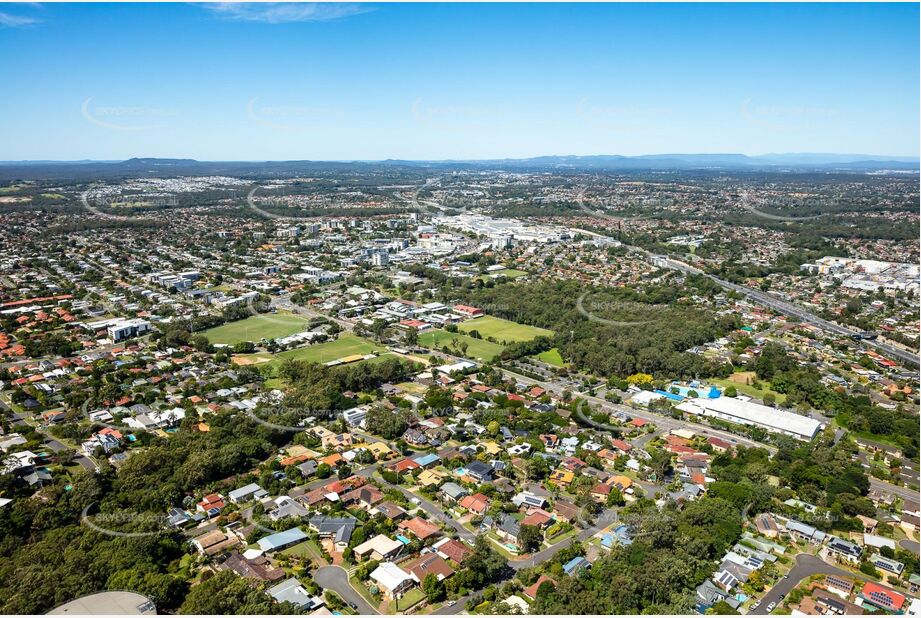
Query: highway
[
  {"x": 789, "y": 309},
  {"x": 664, "y": 422}
]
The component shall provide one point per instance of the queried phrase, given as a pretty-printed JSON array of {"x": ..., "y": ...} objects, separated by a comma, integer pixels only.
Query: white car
[
  {"x": 450, "y": 603},
  {"x": 771, "y": 607},
  {"x": 416, "y": 501}
]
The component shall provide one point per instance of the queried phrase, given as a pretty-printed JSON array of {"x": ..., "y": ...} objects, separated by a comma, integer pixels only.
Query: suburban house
[
  {"x": 247, "y": 493},
  {"x": 844, "y": 550},
  {"x": 281, "y": 540},
  {"x": 479, "y": 471},
  {"x": 256, "y": 568},
  {"x": 338, "y": 530},
  {"x": 882, "y": 597},
  {"x": 379, "y": 548},
  {"x": 424, "y": 564},
  {"x": 214, "y": 542},
  {"x": 420, "y": 528},
  {"x": 452, "y": 549},
  {"x": 291, "y": 591},
  {"x": 392, "y": 580}
]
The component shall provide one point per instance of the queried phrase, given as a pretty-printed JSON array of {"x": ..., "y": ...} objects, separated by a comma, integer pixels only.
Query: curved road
[
  {"x": 806, "y": 565},
  {"x": 336, "y": 578}
]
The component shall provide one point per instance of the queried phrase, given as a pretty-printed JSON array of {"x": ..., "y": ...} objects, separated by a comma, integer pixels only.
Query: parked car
[{"x": 771, "y": 607}]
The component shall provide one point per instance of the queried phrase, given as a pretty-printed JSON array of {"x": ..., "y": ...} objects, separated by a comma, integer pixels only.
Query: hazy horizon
[{"x": 427, "y": 82}]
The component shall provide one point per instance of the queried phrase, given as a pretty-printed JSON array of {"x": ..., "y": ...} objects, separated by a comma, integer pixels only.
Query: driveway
[{"x": 336, "y": 578}]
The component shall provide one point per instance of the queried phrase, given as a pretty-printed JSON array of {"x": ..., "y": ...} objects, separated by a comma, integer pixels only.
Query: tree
[
  {"x": 227, "y": 593},
  {"x": 538, "y": 468},
  {"x": 615, "y": 498},
  {"x": 530, "y": 538},
  {"x": 483, "y": 566},
  {"x": 387, "y": 424},
  {"x": 660, "y": 462},
  {"x": 730, "y": 391},
  {"x": 433, "y": 588}
]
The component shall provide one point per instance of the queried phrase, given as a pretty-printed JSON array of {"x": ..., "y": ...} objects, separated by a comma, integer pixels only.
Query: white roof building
[
  {"x": 392, "y": 579},
  {"x": 751, "y": 413}
]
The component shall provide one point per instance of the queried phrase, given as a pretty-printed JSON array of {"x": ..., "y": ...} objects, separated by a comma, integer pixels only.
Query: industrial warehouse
[{"x": 736, "y": 410}]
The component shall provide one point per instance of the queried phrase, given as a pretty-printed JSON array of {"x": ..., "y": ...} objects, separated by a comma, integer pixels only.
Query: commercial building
[
  {"x": 125, "y": 329},
  {"x": 111, "y": 603},
  {"x": 750, "y": 413}
]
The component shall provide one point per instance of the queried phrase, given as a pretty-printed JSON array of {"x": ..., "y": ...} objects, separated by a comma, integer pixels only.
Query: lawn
[
  {"x": 552, "y": 357},
  {"x": 503, "y": 331},
  {"x": 303, "y": 550},
  {"x": 738, "y": 380},
  {"x": 409, "y": 599},
  {"x": 256, "y": 328},
  {"x": 346, "y": 345},
  {"x": 274, "y": 383},
  {"x": 509, "y": 273},
  {"x": 477, "y": 349}
]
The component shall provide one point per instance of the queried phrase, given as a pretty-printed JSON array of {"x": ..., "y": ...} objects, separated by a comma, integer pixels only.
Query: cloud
[
  {"x": 285, "y": 12},
  {"x": 9, "y": 20}
]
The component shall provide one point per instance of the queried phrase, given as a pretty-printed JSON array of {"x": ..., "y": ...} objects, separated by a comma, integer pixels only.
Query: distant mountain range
[{"x": 795, "y": 162}]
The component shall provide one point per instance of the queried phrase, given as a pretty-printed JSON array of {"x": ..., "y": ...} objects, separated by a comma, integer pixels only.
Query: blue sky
[{"x": 420, "y": 81}]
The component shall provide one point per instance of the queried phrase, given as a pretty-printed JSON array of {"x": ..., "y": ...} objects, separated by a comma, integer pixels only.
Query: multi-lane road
[
  {"x": 664, "y": 422},
  {"x": 787, "y": 308}
]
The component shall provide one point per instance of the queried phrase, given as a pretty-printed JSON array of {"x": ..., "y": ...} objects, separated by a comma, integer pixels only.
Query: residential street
[
  {"x": 336, "y": 578},
  {"x": 806, "y": 565}
]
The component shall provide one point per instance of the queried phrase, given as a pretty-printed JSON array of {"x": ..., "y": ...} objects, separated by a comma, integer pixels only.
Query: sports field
[
  {"x": 509, "y": 273},
  {"x": 477, "y": 349},
  {"x": 503, "y": 330},
  {"x": 257, "y": 327},
  {"x": 345, "y": 346}
]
